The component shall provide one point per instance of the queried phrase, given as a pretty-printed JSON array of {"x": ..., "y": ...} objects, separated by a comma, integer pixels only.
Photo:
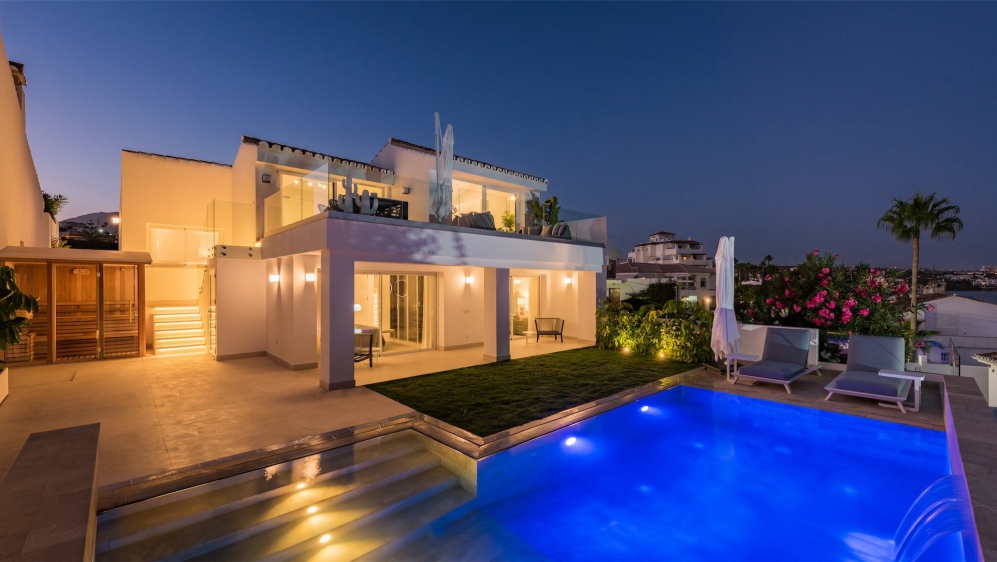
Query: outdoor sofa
[
  {"x": 783, "y": 360},
  {"x": 875, "y": 370}
]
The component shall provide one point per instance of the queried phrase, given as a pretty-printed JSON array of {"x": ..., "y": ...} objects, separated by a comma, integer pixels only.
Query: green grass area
[{"x": 490, "y": 398}]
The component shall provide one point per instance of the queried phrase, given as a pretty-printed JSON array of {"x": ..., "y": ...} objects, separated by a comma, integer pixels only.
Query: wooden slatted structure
[{"x": 91, "y": 304}]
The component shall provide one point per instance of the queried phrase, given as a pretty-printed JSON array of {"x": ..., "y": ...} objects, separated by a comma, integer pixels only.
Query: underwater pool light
[
  {"x": 301, "y": 486},
  {"x": 643, "y": 408},
  {"x": 313, "y": 509},
  {"x": 570, "y": 441}
]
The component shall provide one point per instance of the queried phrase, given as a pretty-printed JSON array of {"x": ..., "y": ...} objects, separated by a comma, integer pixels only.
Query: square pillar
[
  {"x": 496, "y": 313},
  {"x": 587, "y": 291},
  {"x": 336, "y": 359}
]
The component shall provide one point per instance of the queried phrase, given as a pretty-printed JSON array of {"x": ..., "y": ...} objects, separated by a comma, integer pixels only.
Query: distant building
[
  {"x": 694, "y": 282},
  {"x": 932, "y": 287},
  {"x": 989, "y": 268},
  {"x": 663, "y": 247}
]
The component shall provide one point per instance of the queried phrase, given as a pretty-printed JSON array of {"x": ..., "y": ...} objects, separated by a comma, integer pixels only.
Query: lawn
[{"x": 486, "y": 399}]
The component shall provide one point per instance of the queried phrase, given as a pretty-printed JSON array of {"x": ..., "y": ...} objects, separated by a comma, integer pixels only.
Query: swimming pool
[{"x": 693, "y": 474}]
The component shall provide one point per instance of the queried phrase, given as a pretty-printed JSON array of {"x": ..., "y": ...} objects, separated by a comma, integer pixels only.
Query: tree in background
[
  {"x": 656, "y": 294},
  {"x": 906, "y": 220},
  {"x": 53, "y": 203}
]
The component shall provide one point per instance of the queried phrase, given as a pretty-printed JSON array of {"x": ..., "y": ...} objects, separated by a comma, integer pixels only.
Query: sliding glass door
[
  {"x": 524, "y": 304},
  {"x": 398, "y": 308}
]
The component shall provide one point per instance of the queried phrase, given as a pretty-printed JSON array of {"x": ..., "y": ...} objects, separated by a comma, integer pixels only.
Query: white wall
[
  {"x": 292, "y": 311},
  {"x": 241, "y": 306},
  {"x": 23, "y": 220},
  {"x": 958, "y": 316},
  {"x": 986, "y": 379}
]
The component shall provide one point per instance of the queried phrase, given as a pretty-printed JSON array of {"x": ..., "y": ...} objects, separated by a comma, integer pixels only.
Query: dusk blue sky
[{"x": 787, "y": 125}]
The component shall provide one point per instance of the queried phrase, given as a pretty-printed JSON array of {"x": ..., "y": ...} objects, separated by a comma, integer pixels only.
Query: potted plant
[
  {"x": 536, "y": 213},
  {"x": 16, "y": 308}
]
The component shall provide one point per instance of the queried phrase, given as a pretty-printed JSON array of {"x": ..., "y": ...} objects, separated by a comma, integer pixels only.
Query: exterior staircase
[
  {"x": 363, "y": 501},
  {"x": 177, "y": 330}
]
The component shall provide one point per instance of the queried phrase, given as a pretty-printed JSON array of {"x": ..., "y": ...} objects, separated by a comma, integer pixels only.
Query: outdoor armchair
[
  {"x": 783, "y": 360},
  {"x": 875, "y": 370},
  {"x": 549, "y": 327},
  {"x": 363, "y": 348}
]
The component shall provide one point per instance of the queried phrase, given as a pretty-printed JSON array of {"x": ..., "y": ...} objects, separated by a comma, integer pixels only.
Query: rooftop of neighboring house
[
  {"x": 657, "y": 269},
  {"x": 931, "y": 297},
  {"x": 989, "y": 358}
]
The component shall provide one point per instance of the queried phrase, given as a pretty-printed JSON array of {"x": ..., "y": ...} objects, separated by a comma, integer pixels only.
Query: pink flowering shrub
[{"x": 821, "y": 293}]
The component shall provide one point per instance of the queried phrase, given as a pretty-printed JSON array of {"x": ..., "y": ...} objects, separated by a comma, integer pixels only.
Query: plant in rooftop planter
[
  {"x": 552, "y": 209},
  {"x": 16, "y": 309},
  {"x": 535, "y": 215},
  {"x": 508, "y": 221}
]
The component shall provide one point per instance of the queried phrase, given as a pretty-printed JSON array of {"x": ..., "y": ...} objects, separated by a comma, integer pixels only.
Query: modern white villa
[
  {"x": 291, "y": 253},
  {"x": 664, "y": 258}
]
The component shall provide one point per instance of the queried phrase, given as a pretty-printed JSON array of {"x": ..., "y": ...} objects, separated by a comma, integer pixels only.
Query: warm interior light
[
  {"x": 115, "y": 220},
  {"x": 516, "y": 281},
  {"x": 356, "y": 307},
  {"x": 311, "y": 277},
  {"x": 257, "y": 244},
  {"x": 468, "y": 279},
  {"x": 314, "y": 508},
  {"x": 274, "y": 278},
  {"x": 301, "y": 485},
  {"x": 325, "y": 538},
  {"x": 512, "y": 198}
]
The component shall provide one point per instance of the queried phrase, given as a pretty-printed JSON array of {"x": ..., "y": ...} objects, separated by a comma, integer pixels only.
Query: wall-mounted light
[
  {"x": 115, "y": 220},
  {"x": 567, "y": 280},
  {"x": 356, "y": 307},
  {"x": 468, "y": 280},
  {"x": 266, "y": 178},
  {"x": 512, "y": 198},
  {"x": 406, "y": 190},
  {"x": 311, "y": 277},
  {"x": 258, "y": 244},
  {"x": 275, "y": 278},
  {"x": 516, "y": 281}
]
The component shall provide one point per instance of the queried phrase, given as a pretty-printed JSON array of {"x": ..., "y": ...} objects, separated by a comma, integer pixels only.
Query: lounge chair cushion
[
  {"x": 774, "y": 370},
  {"x": 787, "y": 346},
  {"x": 871, "y": 383},
  {"x": 874, "y": 353}
]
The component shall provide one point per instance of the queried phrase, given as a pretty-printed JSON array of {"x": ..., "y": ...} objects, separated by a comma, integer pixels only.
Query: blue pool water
[{"x": 692, "y": 474}]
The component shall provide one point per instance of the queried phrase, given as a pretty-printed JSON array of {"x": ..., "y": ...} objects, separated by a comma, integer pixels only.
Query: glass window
[
  {"x": 502, "y": 206},
  {"x": 181, "y": 246},
  {"x": 398, "y": 309},
  {"x": 467, "y": 197}
]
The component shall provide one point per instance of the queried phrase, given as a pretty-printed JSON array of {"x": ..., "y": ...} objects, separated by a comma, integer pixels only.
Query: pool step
[{"x": 284, "y": 511}]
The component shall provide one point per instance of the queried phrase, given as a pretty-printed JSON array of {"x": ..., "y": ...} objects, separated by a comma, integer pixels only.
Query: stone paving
[{"x": 163, "y": 413}]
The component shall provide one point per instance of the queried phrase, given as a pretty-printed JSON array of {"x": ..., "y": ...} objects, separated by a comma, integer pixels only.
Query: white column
[
  {"x": 588, "y": 296},
  {"x": 336, "y": 360},
  {"x": 496, "y": 313}
]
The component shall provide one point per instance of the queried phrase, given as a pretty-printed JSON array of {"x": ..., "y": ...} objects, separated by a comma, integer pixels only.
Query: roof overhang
[{"x": 71, "y": 255}]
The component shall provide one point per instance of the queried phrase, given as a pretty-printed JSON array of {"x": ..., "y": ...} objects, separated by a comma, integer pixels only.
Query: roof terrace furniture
[
  {"x": 483, "y": 221},
  {"x": 549, "y": 327},
  {"x": 875, "y": 370},
  {"x": 559, "y": 230},
  {"x": 389, "y": 208},
  {"x": 363, "y": 348},
  {"x": 784, "y": 359}
]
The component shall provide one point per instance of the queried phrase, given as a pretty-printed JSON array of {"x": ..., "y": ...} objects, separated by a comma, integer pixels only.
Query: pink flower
[
  {"x": 818, "y": 322},
  {"x": 778, "y": 305},
  {"x": 825, "y": 271},
  {"x": 796, "y": 308},
  {"x": 830, "y": 315},
  {"x": 864, "y": 312},
  {"x": 832, "y": 304},
  {"x": 851, "y": 302},
  {"x": 874, "y": 271},
  {"x": 768, "y": 277},
  {"x": 751, "y": 311},
  {"x": 823, "y": 282},
  {"x": 786, "y": 279},
  {"x": 877, "y": 299},
  {"x": 817, "y": 252},
  {"x": 788, "y": 293},
  {"x": 768, "y": 300},
  {"x": 835, "y": 257},
  {"x": 931, "y": 307},
  {"x": 846, "y": 319},
  {"x": 902, "y": 288}
]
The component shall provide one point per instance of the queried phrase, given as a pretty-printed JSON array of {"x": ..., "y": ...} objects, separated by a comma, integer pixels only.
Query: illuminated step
[
  {"x": 173, "y": 334},
  {"x": 189, "y": 350},
  {"x": 175, "y": 310},
  {"x": 168, "y": 318},
  {"x": 171, "y": 326},
  {"x": 179, "y": 342}
]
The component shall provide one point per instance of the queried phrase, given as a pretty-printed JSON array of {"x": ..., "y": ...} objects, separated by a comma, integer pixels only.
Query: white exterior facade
[
  {"x": 285, "y": 277},
  {"x": 663, "y": 247}
]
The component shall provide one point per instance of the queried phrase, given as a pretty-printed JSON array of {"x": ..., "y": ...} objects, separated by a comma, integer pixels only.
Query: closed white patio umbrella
[{"x": 725, "y": 335}]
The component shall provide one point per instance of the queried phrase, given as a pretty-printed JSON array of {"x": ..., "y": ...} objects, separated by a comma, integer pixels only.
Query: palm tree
[{"x": 907, "y": 219}]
